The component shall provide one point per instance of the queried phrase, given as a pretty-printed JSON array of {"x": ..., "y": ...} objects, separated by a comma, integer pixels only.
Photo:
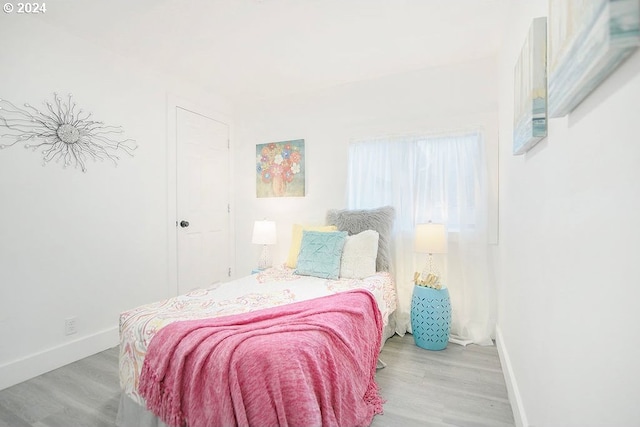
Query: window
[
  {"x": 425, "y": 178},
  {"x": 439, "y": 178}
]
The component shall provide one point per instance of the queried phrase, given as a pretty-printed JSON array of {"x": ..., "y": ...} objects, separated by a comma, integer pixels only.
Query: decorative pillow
[
  {"x": 296, "y": 238},
  {"x": 320, "y": 253},
  {"x": 359, "y": 255},
  {"x": 357, "y": 221}
]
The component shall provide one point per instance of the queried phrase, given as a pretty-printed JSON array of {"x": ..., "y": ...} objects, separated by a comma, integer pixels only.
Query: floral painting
[{"x": 280, "y": 169}]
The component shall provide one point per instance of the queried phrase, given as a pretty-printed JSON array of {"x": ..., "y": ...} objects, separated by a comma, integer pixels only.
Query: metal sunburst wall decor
[{"x": 62, "y": 133}]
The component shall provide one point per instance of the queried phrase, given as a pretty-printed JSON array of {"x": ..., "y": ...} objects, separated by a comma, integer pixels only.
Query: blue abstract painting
[
  {"x": 530, "y": 89},
  {"x": 588, "y": 39}
]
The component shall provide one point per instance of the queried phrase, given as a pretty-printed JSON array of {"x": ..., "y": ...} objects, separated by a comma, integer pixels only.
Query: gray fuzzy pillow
[{"x": 357, "y": 221}]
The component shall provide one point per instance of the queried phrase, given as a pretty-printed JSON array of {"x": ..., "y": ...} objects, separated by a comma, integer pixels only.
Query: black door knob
[{"x": 184, "y": 224}]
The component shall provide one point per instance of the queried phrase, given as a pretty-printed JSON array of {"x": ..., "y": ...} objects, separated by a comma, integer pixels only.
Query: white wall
[
  {"x": 569, "y": 243},
  {"x": 72, "y": 244},
  {"x": 461, "y": 95}
]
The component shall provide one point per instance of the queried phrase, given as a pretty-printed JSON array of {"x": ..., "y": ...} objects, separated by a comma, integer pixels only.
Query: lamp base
[
  {"x": 430, "y": 276},
  {"x": 265, "y": 258}
]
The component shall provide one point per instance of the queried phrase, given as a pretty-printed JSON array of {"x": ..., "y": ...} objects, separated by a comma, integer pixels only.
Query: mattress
[{"x": 272, "y": 287}]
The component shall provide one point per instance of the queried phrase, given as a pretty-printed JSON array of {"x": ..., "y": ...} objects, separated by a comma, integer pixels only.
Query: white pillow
[{"x": 359, "y": 255}]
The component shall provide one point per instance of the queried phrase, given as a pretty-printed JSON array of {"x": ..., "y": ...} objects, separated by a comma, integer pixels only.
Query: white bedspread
[{"x": 267, "y": 289}]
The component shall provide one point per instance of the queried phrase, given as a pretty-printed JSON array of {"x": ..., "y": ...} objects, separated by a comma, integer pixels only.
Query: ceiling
[{"x": 259, "y": 49}]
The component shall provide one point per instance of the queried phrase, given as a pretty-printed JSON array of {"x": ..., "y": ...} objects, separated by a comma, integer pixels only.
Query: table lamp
[
  {"x": 431, "y": 239},
  {"x": 430, "y": 304},
  {"x": 264, "y": 233}
]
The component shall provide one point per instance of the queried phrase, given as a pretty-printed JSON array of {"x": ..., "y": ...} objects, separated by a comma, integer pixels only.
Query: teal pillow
[{"x": 320, "y": 253}]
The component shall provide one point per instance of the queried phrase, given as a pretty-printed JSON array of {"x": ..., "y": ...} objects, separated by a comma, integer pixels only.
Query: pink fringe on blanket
[{"x": 310, "y": 363}]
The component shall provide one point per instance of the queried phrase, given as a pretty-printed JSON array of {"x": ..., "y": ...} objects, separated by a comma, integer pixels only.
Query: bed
[{"x": 353, "y": 298}]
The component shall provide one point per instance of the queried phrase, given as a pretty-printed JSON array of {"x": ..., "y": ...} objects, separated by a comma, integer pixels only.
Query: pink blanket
[{"x": 310, "y": 363}]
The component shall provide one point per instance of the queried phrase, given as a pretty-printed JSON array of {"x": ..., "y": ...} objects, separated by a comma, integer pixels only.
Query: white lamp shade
[
  {"x": 264, "y": 233},
  {"x": 431, "y": 238}
]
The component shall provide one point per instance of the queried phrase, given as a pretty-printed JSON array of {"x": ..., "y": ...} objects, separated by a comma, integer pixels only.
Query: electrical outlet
[{"x": 70, "y": 326}]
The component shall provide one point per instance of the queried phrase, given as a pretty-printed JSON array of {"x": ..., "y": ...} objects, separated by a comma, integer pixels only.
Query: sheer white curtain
[{"x": 443, "y": 179}]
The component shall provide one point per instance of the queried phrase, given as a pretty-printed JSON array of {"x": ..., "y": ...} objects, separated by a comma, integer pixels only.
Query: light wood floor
[{"x": 459, "y": 386}]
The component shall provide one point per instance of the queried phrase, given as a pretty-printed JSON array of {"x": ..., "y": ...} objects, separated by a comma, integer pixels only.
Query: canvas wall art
[
  {"x": 588, "y": 39},
  {"x": 530, "y": 89},
  {"x": 280, "y": 169}
]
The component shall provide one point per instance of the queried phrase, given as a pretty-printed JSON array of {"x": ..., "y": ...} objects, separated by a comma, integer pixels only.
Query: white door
[{"x": 202, "y": 184}]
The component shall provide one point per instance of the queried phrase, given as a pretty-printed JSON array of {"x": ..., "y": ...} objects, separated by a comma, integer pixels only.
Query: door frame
[{"x": 173, "y": 102}]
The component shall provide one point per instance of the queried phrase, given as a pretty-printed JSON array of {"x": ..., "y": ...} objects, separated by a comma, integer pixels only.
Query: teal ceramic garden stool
[{"x": 430, "y": 317}]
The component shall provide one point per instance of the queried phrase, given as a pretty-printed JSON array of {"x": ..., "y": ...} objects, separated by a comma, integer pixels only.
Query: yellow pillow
[{"x": 296, "y": 240}]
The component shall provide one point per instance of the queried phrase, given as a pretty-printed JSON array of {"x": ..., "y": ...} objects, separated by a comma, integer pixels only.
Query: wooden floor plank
[{"x": 458, "y": 386}]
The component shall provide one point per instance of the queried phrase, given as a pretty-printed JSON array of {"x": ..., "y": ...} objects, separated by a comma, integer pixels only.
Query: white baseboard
[
  {"x": 39, "y": 363},
  {"x": 515, "y": 399}
]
